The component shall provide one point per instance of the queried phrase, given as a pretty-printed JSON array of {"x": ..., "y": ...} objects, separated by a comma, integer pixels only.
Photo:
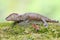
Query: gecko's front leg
[
  {"x": 44, "y": 21},
  {"x": 24, "y": 23},
  {"x": 13, "y": 24},
  {"x": 16, "y": 22}
]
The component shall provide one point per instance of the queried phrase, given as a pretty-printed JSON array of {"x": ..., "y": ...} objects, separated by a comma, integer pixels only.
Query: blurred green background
[{"x": 48, "y": 8}]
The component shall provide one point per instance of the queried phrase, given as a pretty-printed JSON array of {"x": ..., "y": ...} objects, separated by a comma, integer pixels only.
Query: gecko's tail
[{"x": 53, "y": 21}]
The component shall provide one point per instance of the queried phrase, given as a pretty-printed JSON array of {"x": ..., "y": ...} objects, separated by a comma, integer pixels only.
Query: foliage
[{"x": 52, "y": 32}]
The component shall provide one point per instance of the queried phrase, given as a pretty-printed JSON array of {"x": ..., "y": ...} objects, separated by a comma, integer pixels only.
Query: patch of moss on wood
[{"x": 52, "y": 32}]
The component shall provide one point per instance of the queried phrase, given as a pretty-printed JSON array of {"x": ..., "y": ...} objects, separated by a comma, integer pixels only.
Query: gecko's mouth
[{"x": 7, "y": 19}]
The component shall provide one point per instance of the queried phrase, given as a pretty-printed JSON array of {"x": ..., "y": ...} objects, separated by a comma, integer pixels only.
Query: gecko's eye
[{"x": 20, "y": 16}]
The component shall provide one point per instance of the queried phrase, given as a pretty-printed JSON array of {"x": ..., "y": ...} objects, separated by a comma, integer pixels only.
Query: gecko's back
[{"x": 36, "y": 16}]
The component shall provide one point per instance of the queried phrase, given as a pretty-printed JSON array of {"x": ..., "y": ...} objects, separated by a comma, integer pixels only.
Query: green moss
[{"x": 52, "y": 32}]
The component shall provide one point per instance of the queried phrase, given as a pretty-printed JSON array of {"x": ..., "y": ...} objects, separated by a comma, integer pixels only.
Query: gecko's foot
[{"x": 46, "y": 25}]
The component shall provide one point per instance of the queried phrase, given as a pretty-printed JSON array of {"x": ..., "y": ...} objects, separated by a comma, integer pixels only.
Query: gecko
[{"x": 27, "y": 17}]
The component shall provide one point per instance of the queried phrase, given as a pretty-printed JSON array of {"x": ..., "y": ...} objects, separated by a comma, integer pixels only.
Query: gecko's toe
[{"x": 46, "y": 25}]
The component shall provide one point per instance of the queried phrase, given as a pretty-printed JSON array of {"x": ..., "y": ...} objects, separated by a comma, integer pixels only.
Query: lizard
[{"x": 28, "y": 17}]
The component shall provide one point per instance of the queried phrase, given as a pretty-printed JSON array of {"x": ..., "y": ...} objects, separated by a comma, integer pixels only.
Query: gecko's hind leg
[{"x": 44, "y": 21}]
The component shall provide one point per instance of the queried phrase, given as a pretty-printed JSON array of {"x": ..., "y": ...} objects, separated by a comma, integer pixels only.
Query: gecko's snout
[
  {"x": 12, "y": 17},
  {"x": 7, "y": 19}
]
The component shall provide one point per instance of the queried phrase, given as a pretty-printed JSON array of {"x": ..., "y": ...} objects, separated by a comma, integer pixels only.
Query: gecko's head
[{"x": 12, "y": 17}]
